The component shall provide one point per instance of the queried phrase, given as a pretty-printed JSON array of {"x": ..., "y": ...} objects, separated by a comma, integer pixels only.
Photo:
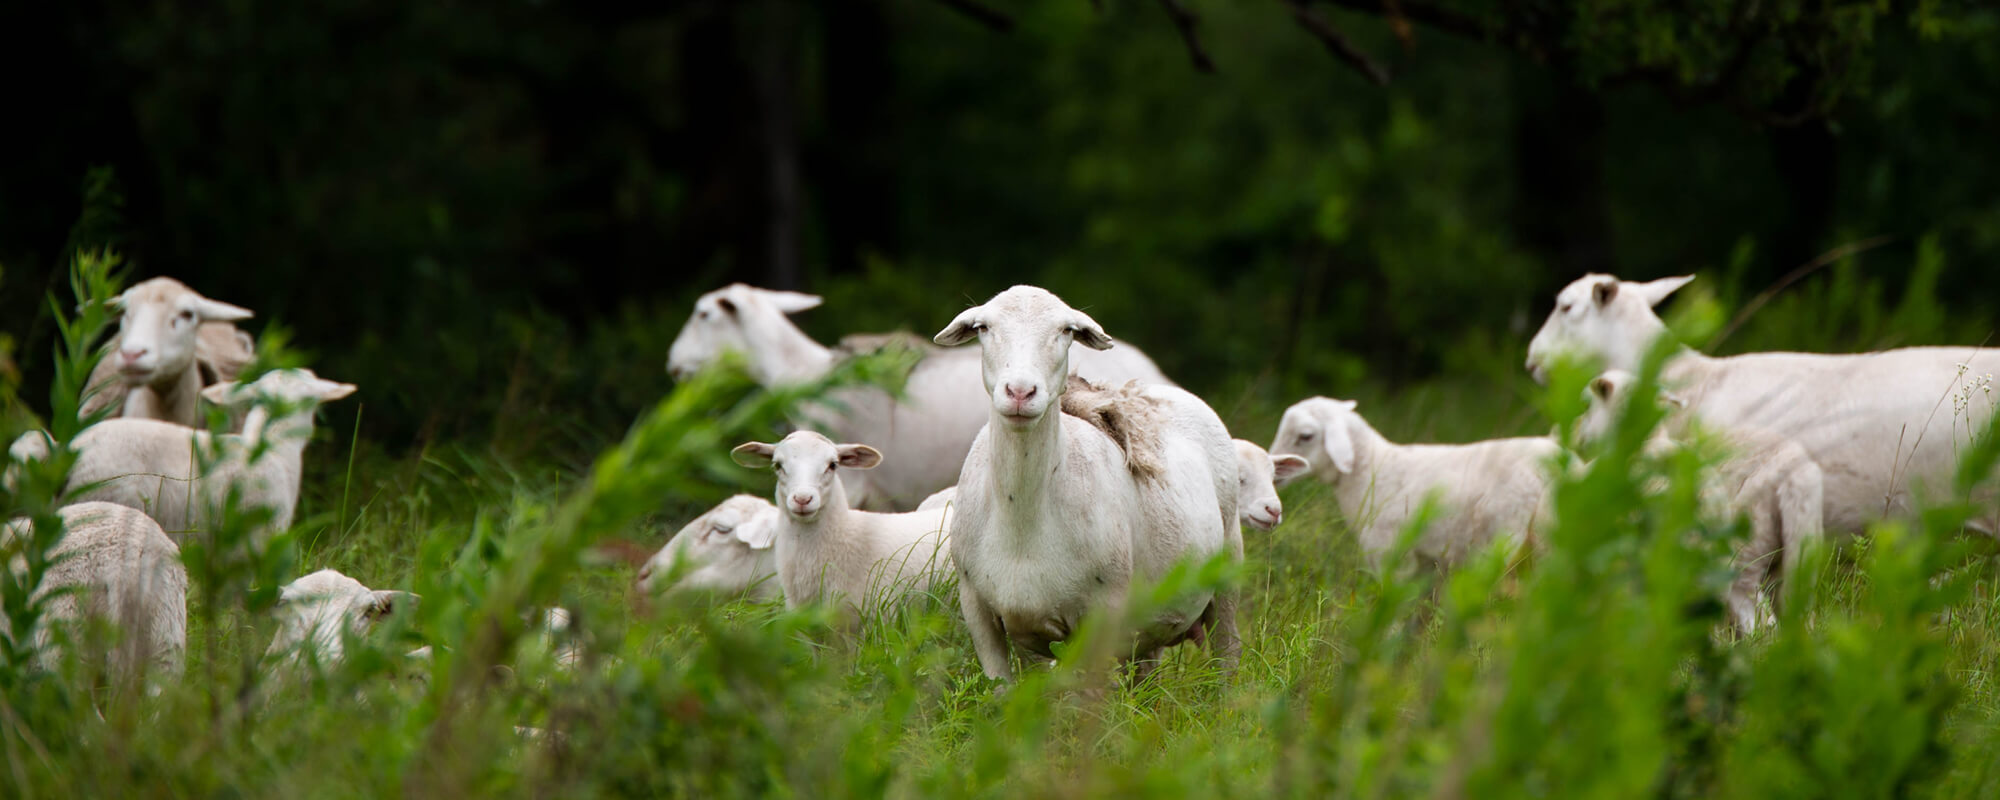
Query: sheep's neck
[
  {"x": 801, "y": 545},
  {"x": 283, "y": 437},
  {"x": 1024, "y": 466},
  {"x": 782, "y": 354},
  {"x": 1351, "y": 490},
  {"x": 172, "y": 400}
]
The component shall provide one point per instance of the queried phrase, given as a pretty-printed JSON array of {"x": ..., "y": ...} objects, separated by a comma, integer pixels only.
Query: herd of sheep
[{"x": 1048, "y": 473}]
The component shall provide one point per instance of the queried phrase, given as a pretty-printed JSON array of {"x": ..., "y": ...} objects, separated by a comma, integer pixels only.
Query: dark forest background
[{"x": 493, "y": 216}]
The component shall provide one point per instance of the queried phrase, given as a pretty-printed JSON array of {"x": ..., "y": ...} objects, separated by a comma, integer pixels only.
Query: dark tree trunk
[{"x": 778, "y": 135}]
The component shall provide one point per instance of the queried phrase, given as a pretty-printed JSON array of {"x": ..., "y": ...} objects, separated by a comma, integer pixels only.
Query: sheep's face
[
  {"x": 736, "y": 317},
  {"x": 1256, "y": 488},
  {"x": 1318, "y": 430},
  {"x": 718, "y": 551},
  {"x": 1024, "y": 336},
  {"x": 806, "y": 463},
  {"x": 1601, "y": 319},
  {"x": 156, "y": 338},
  {"x": 1608, "y": 398},
  {"x": 317, "y": 610},
  {"x": 283, "y": 386}
]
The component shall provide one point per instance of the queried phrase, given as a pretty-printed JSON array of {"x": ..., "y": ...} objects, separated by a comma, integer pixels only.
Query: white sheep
[
  {"x": 1766, "y": 479},
  {"x": 923, "y": 438},
  {"x": 115, "y": 564},
  {"x": 1054, "y": 518},
  {"x": 1485, "y": 490},
  {"x": 318, "y": 612},
  {"x": 829, "y": 552},
  {"x": 152, "y": 466},
  {"x": 171, "y": 343},
  {"x": 1258, "y": 474},
  {"x": 727, "y": 550},
  {"x": 1877, "y": 424}
]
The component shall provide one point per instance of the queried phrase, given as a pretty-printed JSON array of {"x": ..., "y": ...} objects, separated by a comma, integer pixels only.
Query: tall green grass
[{"x": 1596, "y": 668}]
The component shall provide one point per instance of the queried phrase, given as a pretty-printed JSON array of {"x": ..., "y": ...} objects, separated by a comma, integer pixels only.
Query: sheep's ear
[
  {"x": 963, "y": 328},
  {"x": 1338, "y": 446},
  {"x": 331, "y": 390},
  {"x": 1655, "y": 291},
  {"x": 791, "y": 302},
  {"x": 1602, "y": 387},
  {"x": 858, "y": 456},
  {"x": 388, "y": 601},
  {"x": 1604, "y": 292},
  {"x": 1288, "y": 467},
  {"x": 1087, "y": 332},
  {"x": 755, "y": 455},
  {"x": 115, "y": 302},
  {"x": 759, "y": 537},
  {"x": 218, "y": 311},
  {"x": 244, "y": 341},
  {"x": 220, "y": 393},
  {"x": 1674, "y": 400}
]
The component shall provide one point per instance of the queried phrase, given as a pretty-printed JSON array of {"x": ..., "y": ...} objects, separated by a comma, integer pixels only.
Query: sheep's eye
[
  {"x": 702, "y": 314},
  {"x": 1306, "y": 437},
  {"x": 830, "y": 465},
  {"x": 1566, "y": 307},
  {"x": 186, "y": 316}
]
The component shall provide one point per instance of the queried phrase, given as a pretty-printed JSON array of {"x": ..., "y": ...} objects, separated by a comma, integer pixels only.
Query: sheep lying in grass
[
  {"x": 1877, "y": 424},
  {"x": 726, "y": 551},
  {"x": 1496, "y": 488},
  {"x": 317, "y": 612},
  {"x": 115, "y": 564},
  {"x": 1767, "y": 479},
  {"x": 151, "y": 465},
  {"x": 828, "y": 552},
  {"x": 172, "y": 342},
  {"x": 923, "y": 438},
  {"x": 1258, "y": 474},
  {"x": 1055, "y": 519}
]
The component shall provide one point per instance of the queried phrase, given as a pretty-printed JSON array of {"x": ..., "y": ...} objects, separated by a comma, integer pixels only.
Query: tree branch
[
  {"x": 1336, "y": 43},
  {"x": 1438, "y": 17},
  {"x": 1185, "y": 20},
  {"x": 981, "y": 14}
]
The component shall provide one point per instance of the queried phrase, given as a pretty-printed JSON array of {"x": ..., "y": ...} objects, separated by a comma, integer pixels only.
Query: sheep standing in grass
[
  {"x": 1767, "y": 479},
  {"x": 725, "y": 551},
  {"x": 1877, "y": 424},
  {"x": 115, "y": 564},
  {"x": 171, "y": 343},
  {"x": 152, "y": 466},
  {"x": 1054, "y": 518},
  {"x": 317, "y": 612},
  {"x": 1485, "y": 490},
  {"x": 1258, "y": 474},
  {"x": 923, "y": 438},
  {"x": 828, "y": 552}
]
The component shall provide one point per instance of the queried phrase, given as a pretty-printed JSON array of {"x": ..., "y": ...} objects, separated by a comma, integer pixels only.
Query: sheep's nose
[
  {"x": 1276, "y": 511},
  {"x": 800, "y": 501},
  {"x": 131, "y": 355},
  {"x": 677, "y": 372},
  {"x": 1020, "y": 395},
  {"x": 645, "y": 573}
]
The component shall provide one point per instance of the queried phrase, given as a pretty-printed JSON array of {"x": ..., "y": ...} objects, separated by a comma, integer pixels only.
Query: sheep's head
[
  {"x": 294, "y": 386},
  {"x": 156, "y": 334},
  {"x": 1608, "y": 398},
  {"x": 805, "y": 462},
  {"x": 1257, "y": 474},
  {"x": 1318, "y": 429},
  {"x": 1024, "y": 336},
  {"x": 736, "y": 317},
  {"x": 1602, "y": 319},
  {"x": 718, "y": 550},
  {"x": 317, "y": 610}
]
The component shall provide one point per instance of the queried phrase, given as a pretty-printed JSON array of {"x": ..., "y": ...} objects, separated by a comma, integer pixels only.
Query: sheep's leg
[
  {"x": 989, "y": 641},
  {"x": 1143, "y": 666},
  {"x": 1753, "y": 561},
  {"x": 1801, "y": 518}
]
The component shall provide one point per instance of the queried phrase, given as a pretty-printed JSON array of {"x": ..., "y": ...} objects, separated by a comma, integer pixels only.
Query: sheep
[
  {"x": 829, "y": 552},
  {"x": 727, "y": 551},
  {"x": 1489, "y": 489},
  {"x": 115, "y": 564},
  {"x": 923, "y": 438},
  {"x": 317, "y": 612},
  {"x": 1054, "y": 519},
  {"x": 172, "y": 342},
  {"x": 152, "y": 466},
  {"x": 1877, "y": 424},
  {"x": 1258, "y": 474},
  {"x": 1767, "y": 479}
]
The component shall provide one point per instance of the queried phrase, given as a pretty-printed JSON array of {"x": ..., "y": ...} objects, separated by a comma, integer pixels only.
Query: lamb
[
  {"x": 1258, "y": 474},
  {"x": 152, "y": 466},
  {"x": 1485, "y": 490},
  {"x": 1765, "y": 478},
  {"x": 829, "y": 552},
  {"x": 318, "y": 612},
  {"x": 727, "y": 551},
  {"x": 1877, "y": 424},
  {"x": 115, "y": 564},
  {"x": 172, "y": 342},
  {"x": 923, "y": 438},
  {"x": 1053, "y": 519}
]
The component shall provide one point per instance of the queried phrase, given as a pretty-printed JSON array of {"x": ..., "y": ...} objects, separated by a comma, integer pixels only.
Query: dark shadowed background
[{"x": 493, "y": 216}]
